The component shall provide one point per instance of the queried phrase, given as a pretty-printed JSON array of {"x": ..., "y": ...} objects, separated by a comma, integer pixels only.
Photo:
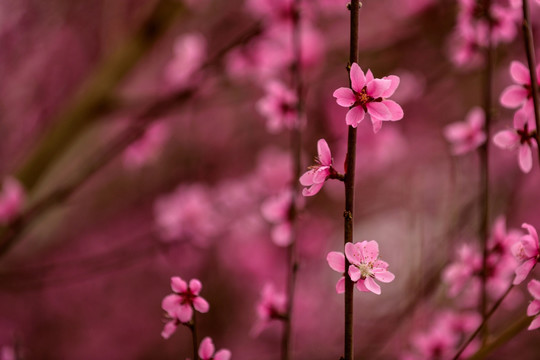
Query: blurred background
[{"x": 137, "y": 131}]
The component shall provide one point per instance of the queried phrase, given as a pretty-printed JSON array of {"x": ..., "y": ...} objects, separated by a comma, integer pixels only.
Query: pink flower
[
  {"x": 369, "y": 95},
  {"x": 520, "y": 94},
  {"x": 278, "y": 107},
  {"x": 179, "y": 306},
  {"x": 336, "y": 260},
  {"x": 271, "y": 306},
  {"x": 317, "y": 175},
  {"x": 467, "y": 135},
  {"x": 276, "y": 211},
  {"x": 534, "y": 307},
  {"x": 189, "y": 52},
  {"x": 147, "y": 148},
  {"x": 11, "y": 200},
  {"x": 206, "y": 351},
  {"x": 521, "y": 137},
  {"x": 366, "y": 266},
  {"x": 526, "y": 251}
]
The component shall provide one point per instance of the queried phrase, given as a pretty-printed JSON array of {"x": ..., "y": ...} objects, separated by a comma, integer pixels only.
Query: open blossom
[
  {"x": 534, "y": 307},
  {"x": 179, "y": 306},
  {"x": 317, "y": 175},
  {"x": 526, "y": 251},
  {"x": 278, "y": 107},
  {"x": 369, "y": 95},
  {"x": 521, "y": 137},
  {"x": 467, "y": 135},
  {"x": 11, "y": 200},
  {"x": 519, "y": 94},
  {"x": 271, "y": 306},
  {"x": 207, "y": 349}
]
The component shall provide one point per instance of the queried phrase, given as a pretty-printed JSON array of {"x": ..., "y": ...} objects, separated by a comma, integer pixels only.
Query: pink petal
[
  {"x": 456, "y": 131},
  {"x": 523, "y": 271},
  {"x": 513, "y": 96},
  {"x": 377, "y": 87},
  {"x": 307, "y": 178},
  {"x": 533, "y": 308},
  {"x": 369, "y": 76},
  {"x": 506, "y": 139},
  {"x": 321, "y": 174},
  {"x": 340, "y": 285},
  {"x": 379, "y": 110},
  {"x": 355, "y": 116},
  {"x": 396, "y": 112},
  {"x": 525, "y": 158},
  {"x": 476, "y": 118},
  {"x": 344, "y": 97},
  {"x": 521, "y": 117},
  {"x": 184, "y": 313},
  {"x": 325, "y": 156},
  {"x": 206, "y": 349},
  {"x": 222, "y": 355},
  {"x": 385, "y": 277},
  {"x": 169, "y": 329},
  {"x": 394, "y": 85},
  {"x": 195, "y": 286},
  {"x": 201, "y": 305},
  {"x": 314, "y": 189},
  {"x": 178, "y": 285},
  {"x": 336, "y": 260},
  {"x": 372, "y": 286},
  {"x": 358, "y": 79},
  {"x": 360, "y": 285},
  {"x": 532, "y": 231},
  {"x": 529, "y": 246},
  {"x": 353, "y": 253},
  {"x": 170, "y": 303},
  {"x": 535, "y": 324},
  {"x": 377, "y": 124},
  {"x": 354, "y": 273},
  {"x": 520, "y": 73},
  {"x": 281, "y": 234},
  {"x": 370, "y": 250}
]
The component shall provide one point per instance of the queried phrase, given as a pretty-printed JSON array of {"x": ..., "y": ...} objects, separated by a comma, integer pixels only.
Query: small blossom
[
  {"x": 179, "y": 306},
  {"x": 207, "y": 349},
  {"x": 519, "y": 94},
  {"x": 147, "y": 148},
  {"x": 467, "y": 135},
  {"x": 521, "y": 137},
  {"x": 369, "y": 95},
  {"x": 11, "y": 200},
  {"x": 317, "y": 175},
  {"x": 534, "y": 307},
  {"x": 366, "y": 266},
  {"x": 276, "y": 211},
  {"x": 189, "y": 52},
  {"x": 271, "y": 306},
  {"x": 527, "y": 251},
  {"x": 278, "y": 107}
]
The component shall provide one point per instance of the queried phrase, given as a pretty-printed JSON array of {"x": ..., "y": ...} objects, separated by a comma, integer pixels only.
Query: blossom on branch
[
  {"x": 520, "y": 94},
  {"x": 318, "y": 174},
  {"x": 271, "y": 306},
  {"x": 527, "y": 251},
  {"x": 207, "y": 349},
  {"x": 466, "y": 136},
  {"x": 534, "y": 307}
]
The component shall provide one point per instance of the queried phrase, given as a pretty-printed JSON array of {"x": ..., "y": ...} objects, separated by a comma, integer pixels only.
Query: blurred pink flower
[
  {"x": 366, "y": 266},
  {"x": 278, "y": 107},
  {"x": 459, "y": 272},
  {"x": 466, "y": 136},
  {"x": 520, "y": 94},
  {"x": 527, "y": 252},
  {"x": 336, "y": 260},
  {"x": 179, "y": 306},
  {"x": 8, "y": 353},
  {"x": 12, "y": 198},
  {"x": 148, "y": 147},
  {"x": 276, "y": 211},
  {"x": 206, "y": 351},
  {"x": 317, "y": 175},
  {"x": 189, "y": 53},
  {"x": 272, "y": 10},
  {"x": 534, "y": 307},
  {"x": 271, "y": 306},
  {"x": 369, "y": 95},
  {"x": 521, "y": 137}
]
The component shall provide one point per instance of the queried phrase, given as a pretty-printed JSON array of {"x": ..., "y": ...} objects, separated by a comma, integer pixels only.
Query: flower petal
[
  {"x": 340, "y": 285},
  {"x": 184, "y": 313},
  {"x": 520, "y": 73},
  {"x": 344, "y": 97},
  {"x": 379, "y": 110},
  {"x": 169, "y": 329},
  {"x": 385, "y": 277},
  {"x": 314, "y": 189},
  {"x": 525, "y": 158},
  {"x": 396, "y": 112},
  {"x": 195, "y": 286},
  {"x": 307, "y": 178},
  {"x": 355, "y": 116},
  {"x": 513, "y": 96},
  {"x": 358, "y": 79},
  {"x": 178, "y": 285},
  {"x": 201, "y": 305},
  {"x": 533, "y": 308},
  {"x": 336, "y": 260},
  {"x": 535, "y": 324},
  {"x": 222, "y": 355},
  {"x": 377, "y": 87},
  {"x": 394, "y": 85},
  {"x": 372, "y": 286},
  {"x": 523, "y": 271},
  {"x": 325, "y": 156},
  {"x": 170, "y": 303},
  {"x": 360, "y": 285},
  {"x": 506, "y": 139},
  {"x": 354, "y": 273},
  {"x": 353, "y": 253},
  {"x": 206, "y": 349},
  {"x": 370, "y": 250}
]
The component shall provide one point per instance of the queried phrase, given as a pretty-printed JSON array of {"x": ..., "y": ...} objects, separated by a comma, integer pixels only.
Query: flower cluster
[
  {"x": 365, "y": 266},
  {"x": 369, "y": 95}
]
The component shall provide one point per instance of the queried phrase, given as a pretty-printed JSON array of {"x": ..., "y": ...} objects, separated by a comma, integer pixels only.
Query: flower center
[
  {"x": 362, "y": 97},
  {"x": 365, "y": 269}
]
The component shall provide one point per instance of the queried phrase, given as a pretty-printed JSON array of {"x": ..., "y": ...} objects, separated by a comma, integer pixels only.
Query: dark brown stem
[
  {"x": 484, "y": 321},
  {"x": 484, "y": 171},
  {"x": 350, "y": 167},
  {"x": 193, "y": 327},
  {"x": 531, "y": 61},
  {"x": 295, "y": 148}
]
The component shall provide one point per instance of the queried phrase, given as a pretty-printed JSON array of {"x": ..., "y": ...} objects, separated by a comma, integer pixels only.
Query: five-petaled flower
[
  {"x": 467, "y": 135},
  {"x": 279, "y": 107},
  {"x": 179, "y": 306},
  {"x": 527, "y": 251},
  {"x": 519, "y": 94},
  {"x": 317, "y": 174},
  {"x": 534, "y": 307},
  {"x": 369, "y": 95},
  {"x": 521, "y": 137},
  {"x": 206, "y": 351}
]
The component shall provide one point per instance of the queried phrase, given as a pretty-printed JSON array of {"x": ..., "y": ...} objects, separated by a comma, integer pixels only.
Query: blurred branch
[
  {"x": 135, "y": 131},
  {"x": 95, "y": 97}
]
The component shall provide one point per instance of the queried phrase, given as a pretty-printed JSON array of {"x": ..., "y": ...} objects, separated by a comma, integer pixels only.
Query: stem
[
  {"x": 350, "y": 167},
  {"x": 484, "y": 171},
  {"x": 484, "y": 321},
  {"x": 193, "y": 327},
  {"x": 531, "y": 61},
  {"x": 503, "y": 338},
  {"x": 295, "y": 148}
]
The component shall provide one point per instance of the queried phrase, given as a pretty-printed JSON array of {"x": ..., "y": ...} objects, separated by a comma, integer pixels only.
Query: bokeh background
[{"x": 141, "y": 119}]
